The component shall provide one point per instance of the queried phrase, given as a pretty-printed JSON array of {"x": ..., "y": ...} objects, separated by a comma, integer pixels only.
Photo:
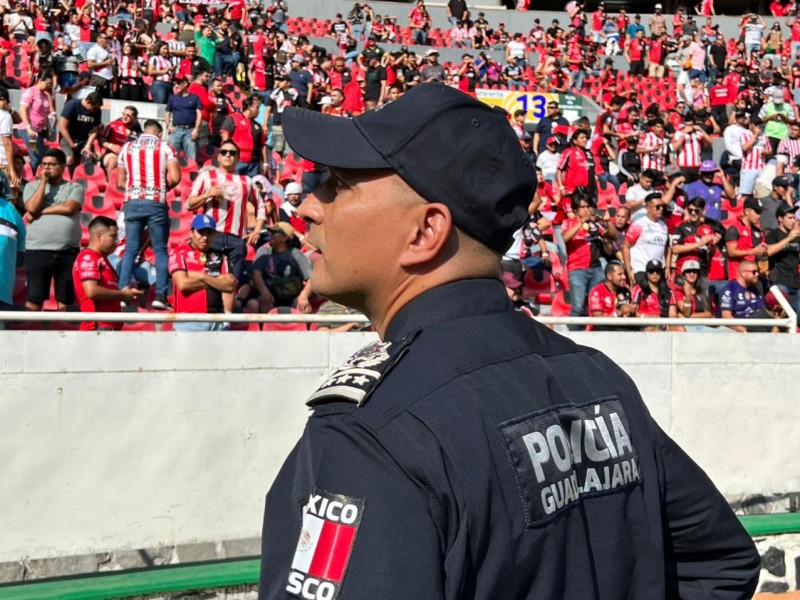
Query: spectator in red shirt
[
  {"x": 744, "y": 239},
  {"x": 695, "y": 240},
  {"x": 200, "y": 275},
  {"x": 583, "y": 238},
  {"x": 634, "y": 53},
  {"x": 691, "y": 296},
  {"x": 612, "y": 298},
  {"x": 576, "y": 167},
  {"x": 654, "y": 298},
  {"x": 116, "y": 133},
  {"x": 199, "y": 87},
  {"x": 94, "y": 278}
]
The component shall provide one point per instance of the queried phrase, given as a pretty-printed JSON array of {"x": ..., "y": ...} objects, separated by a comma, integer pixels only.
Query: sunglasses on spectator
[
  {"x": 750, "y": 271},
  {"x": 229, "y": 153},
  {"x": 691, "y": 271},
  {"x": 693, "y": 211},
  {"x": 659, "y": 207}
]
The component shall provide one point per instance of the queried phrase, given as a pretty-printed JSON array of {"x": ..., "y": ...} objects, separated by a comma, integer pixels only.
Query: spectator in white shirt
[{"x": 548, "y": 160}]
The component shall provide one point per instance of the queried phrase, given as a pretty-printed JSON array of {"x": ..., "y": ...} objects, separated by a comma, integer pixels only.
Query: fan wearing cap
[
  {"x": 695, "y": 240},
  {"x": 777, "y": 114},
  {"x": 692, "y": 296},
  {"x": 200, "y": 275},
  {"x": 514, "y": 288},
  {"x": 653, "y": 297},
  {"x": 431, "y": 437},
  {"x": 283, "y": 96},
  {"x": 432, "y": 71},
  {"x": 280, "y": 275},
  {"x": 783, "y": 248},
  {"x": 780, "y": 195},
  {"x": 744, "y": 240},
  {"x": 549, "y": 158},
  {"x": 709, "y": 190}
]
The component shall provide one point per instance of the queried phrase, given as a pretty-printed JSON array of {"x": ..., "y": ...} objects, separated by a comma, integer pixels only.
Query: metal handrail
[{"x": 789, "y": 322}]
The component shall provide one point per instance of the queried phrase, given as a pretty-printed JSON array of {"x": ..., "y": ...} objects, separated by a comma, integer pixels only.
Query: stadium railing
[{"x": 789, "y": 322}]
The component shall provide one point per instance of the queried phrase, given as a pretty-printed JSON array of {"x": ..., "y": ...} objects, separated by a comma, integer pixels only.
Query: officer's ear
[{"x": 430, "y": 232}]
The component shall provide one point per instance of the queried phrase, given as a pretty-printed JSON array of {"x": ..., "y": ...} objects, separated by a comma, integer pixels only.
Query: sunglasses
[
  {"x": 229, "y": 153},
  {"x": 754, "y": 271},
  {"x": 659, "y": 207},
  {"x": 693, "y": 211},
  {"x": 691, "y": 272}
]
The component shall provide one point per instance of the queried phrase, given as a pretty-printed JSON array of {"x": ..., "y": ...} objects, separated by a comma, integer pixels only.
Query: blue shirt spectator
[
  {"x": 12, "y": 248},
  {"x": 742, "y": 301},
  {"x": 635, "y": 26},
  {"x": 184, "y": 109},
  {"x": 712, "y": 194}
]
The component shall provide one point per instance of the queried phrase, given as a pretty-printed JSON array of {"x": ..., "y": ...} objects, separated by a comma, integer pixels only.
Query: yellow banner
[{"x": 533, "y": 103}]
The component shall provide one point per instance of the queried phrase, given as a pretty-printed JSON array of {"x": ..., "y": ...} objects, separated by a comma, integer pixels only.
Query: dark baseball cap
[
  {"x": 754, "y": 204},
  {"x": 785, "y": 209},
  {"x": 654, "y": 266},
  {"x": 447, "y": 146},
  {"x": 780, "y": 180}
]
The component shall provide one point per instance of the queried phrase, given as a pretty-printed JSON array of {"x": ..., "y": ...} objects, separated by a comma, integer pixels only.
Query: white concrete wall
[{"x": 130, "y": 440}]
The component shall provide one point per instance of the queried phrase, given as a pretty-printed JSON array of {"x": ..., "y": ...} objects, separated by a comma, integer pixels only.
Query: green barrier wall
[{"x": 181, "y": 578}]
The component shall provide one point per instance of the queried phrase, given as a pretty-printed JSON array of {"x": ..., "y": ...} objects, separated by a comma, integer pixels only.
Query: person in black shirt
[
  {"x": 457, "y": 11},
  {"x": 375, "y": 91},
  {"x": 545, "y": 128},
  {"x": 79, "y": 124},
  {"x": 783, "y": 249},
  {"x": 224, "y": 108}
]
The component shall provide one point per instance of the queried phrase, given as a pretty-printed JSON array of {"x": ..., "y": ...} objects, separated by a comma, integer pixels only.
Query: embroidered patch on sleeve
[
  {"x": 567, "y": 453},
  {"x": 327, "y": 538}
]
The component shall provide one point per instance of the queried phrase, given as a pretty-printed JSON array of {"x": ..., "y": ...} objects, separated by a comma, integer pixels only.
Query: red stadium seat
[
  {"x": 561, "y": 305},
  {"x": 93, "y": 173},
  {"x": 285, "y": 310}
]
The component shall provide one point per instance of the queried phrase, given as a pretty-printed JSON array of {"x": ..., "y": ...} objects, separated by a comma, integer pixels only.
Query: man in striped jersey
[
  {"x": 148, "y": 169},
  {"x": 754, "y": 147},
  {"x": 653, "y": 147},
  {"x": 788, "y": 149},
  {"x": 225, "y": 196},
  {"x": 687, "y": 143}
]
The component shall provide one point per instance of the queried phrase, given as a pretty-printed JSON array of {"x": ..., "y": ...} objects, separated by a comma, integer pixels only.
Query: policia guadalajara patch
[
  {"x": 567, "y": 453},
  {"x": 327, "y": 538}
]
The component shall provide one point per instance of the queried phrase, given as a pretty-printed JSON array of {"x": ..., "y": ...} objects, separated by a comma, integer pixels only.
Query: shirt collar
[{"x": 457, "y": 299}]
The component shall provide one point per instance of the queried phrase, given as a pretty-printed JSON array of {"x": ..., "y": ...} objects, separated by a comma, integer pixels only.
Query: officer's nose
[{"x": 311, "y": 210}]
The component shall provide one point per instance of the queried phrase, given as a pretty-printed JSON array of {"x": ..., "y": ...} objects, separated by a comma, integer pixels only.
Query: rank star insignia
[{"x": 355, "y": 380}]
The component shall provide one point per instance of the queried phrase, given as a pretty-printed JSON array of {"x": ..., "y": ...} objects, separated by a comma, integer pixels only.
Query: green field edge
[{"x": 240, "y": 571}]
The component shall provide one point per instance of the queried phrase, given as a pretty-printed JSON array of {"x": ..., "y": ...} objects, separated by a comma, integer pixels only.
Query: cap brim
[{"x": 329, "y": 140}]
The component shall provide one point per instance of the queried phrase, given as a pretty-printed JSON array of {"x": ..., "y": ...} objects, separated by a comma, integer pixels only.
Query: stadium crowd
[{"x": 633, "y": 216}]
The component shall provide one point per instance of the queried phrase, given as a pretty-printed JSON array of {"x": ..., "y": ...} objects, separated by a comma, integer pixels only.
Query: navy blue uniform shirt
[{"x": 476, "y": 454}]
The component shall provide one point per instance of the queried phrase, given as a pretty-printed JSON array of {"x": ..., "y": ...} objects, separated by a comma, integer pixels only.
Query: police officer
[{"x": 471, "y": 452}]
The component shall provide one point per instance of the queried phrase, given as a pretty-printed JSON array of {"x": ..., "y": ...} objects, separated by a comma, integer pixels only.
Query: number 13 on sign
[{"x": 533, "y": 104}]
